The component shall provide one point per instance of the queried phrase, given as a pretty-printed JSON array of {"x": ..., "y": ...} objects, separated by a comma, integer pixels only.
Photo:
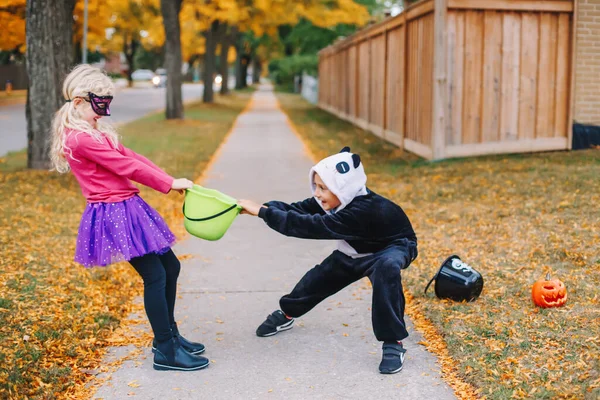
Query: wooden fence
[{"x": 455, "y": 78}]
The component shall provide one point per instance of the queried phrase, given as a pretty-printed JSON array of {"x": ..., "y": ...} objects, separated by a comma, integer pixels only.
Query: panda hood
[{"x": 344, "y": 176}]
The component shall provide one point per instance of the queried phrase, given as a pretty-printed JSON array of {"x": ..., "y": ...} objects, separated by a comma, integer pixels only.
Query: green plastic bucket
[{"x": 208, "y": 213}]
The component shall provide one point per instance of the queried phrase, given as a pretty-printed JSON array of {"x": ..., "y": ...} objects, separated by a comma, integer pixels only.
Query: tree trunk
[
  {"x": 77, "y": 52},
  {"x": 170, "y": 11},
  {"x": 245, "y": 64},
  {"x": 256, "y": 66},
  {"x": 49, "y": 26},
  {"x": 240, "y": 70},
  {"x": 130, "y": 46},
  {"x": 212, "y": 36},
  {"x": 226, "y": 43}
]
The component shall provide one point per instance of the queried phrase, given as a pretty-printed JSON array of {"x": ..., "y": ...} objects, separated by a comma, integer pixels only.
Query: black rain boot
[
  {"x": 170, "y": 355},
  {"x": 190, "y": 347}
]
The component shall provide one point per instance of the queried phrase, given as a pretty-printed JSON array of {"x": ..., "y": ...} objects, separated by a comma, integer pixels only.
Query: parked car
[
  {"x": 160, "y": 78},
  {"x": 142, "y": 75}
]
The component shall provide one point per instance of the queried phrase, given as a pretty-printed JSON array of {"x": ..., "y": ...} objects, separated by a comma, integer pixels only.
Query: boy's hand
[{"x": 250, "y": 207}]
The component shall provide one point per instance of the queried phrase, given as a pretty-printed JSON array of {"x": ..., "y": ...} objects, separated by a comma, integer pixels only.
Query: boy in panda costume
[{"x": 375, "y": 239}]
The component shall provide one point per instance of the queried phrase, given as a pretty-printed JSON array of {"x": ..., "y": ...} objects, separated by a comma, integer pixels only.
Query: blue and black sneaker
[
  {"x": 276, "y": 322},
  {"x": 393, "y": 358}
]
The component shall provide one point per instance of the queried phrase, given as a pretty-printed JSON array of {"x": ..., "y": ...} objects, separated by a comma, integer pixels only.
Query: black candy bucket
[{"x": 457, "y": 281}]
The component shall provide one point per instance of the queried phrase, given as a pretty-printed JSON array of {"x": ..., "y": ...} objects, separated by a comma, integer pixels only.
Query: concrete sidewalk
[{"x": 231, "y": 285}]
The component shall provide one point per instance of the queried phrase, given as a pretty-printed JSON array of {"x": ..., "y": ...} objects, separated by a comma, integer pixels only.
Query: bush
[
  {"x": 115, "y": 75},
  {"x": 283, "y": 70}
]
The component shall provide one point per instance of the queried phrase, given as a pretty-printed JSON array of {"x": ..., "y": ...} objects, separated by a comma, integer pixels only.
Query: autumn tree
[
  {"x": 227, "y": 43},
  {"x": 170, "y": 11},
  {"x": 49, "y": 55},
  {"x": 128, "y": 21},
  {"x": 12, "y": 21},
  {"x": 99, "y": 20}
]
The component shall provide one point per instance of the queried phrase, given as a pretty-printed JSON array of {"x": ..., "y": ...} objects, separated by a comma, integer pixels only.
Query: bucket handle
[
  {"x": 427, "y": 287},
  {"x": 208, "y": 218},
  {"x": 440, "y": 270}
]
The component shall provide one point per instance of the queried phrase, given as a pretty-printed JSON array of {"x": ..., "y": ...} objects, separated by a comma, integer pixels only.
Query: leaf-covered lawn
[
  {"x": 16, "y": 97},
  {"x": 56, "y": 317},
  {"x": 512, "y": 218}
]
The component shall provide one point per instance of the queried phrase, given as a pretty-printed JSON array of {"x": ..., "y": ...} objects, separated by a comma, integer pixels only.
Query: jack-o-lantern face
[{"x": 548, "y": 292}]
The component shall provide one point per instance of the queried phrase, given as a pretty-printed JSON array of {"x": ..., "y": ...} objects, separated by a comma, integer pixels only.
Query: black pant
[
  {"x": 339, "y": 270},
  {"x": 159, "y": 273}
]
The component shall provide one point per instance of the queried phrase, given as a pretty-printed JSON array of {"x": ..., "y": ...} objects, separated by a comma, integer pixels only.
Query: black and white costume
[{"x": 376, "y": 239}]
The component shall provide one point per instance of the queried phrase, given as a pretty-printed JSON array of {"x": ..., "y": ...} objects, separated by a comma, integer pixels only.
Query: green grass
[
  {"x": 512, "y": 217},
  {"x": 56, "y": 316}
]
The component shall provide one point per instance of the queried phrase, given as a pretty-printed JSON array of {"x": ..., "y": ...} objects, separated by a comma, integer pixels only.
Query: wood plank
[
  {"x": 363, "y": 79},
  {"x": 330, "y": 81},
  {"x": 563, "y": 56},
  {"x": 349, "y": 71},
  {"x": 513, "y": 5},
  {"x": 362, "y": 123},
  {"x": 418, "y": 148},
  {"x": 408, "y": 80},
  {"x": 572, "y": 73},
  {"x": 349, "y": 90},
  {"x": 352, "y": 103},
  {"x": 367, "y": 100},
  {"x": 420, "y": 69},
  {"x": 528, "y": 79},
  {"x": 427, "y": 127},
  {"x": 391, "y": 88},
  {"x": 326, "y": 86},
  {"x": 492, "y": 76},
  {"x": 397, "y": 21},
  {"x": 375, "y": 129},
  {"x": 411, "y": 99},
  {"x": 374, "y": 80},
  {"x": 322, "y": 75},
  {"x": 472, "y": 77},
  {"x": 343, "y": 81},
  {"x": 450, "y": 70},
  {"x": 546, "y": 75},
  {"x": 378, "y": 116},
  {"x": 394, "y": 138},
  {"x": 517, "y": 146},
  {"x": 330, "y": 75},
  {"x": 458, "y": 79},
  {"x": 511, "y": 51},
  {"x": 385, "y": 83},
  {"x": 439, "y": 77},
  {"x": 421, "y": 72},
  {"x": 400, "y": 78},
  {"x": 418, "y": 9},
  {"x": 414, "y": 82},
  {"x": 338, "y": 81}
]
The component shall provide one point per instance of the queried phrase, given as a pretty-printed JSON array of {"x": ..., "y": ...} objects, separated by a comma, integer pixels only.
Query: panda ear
[
  {"x": 356, "y": 159},
  {"x": 345, "y": 150}
]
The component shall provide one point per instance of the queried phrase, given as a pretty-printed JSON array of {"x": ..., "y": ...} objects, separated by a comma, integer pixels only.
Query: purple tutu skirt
[{"x": 112, "y": 232}]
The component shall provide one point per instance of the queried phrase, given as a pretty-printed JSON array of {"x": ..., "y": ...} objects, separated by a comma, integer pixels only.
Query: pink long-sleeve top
[{"x": 105, "y": 172}]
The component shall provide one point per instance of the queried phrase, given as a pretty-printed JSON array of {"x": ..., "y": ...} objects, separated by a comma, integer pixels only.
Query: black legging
[{"x": 159, "y": 273}]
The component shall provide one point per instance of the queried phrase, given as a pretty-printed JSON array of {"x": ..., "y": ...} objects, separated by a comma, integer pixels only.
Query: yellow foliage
[
  {"x": 12, "y": 21},
  {"x": 112, "y": 22}
]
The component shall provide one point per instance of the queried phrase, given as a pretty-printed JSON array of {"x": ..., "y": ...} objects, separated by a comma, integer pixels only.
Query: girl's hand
[
  {"x": 181, "y": 184},
  {"x": 250, "y": 207}
]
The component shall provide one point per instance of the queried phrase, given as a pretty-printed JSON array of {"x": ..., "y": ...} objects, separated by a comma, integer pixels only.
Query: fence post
[
  {"x": 572, "y": 77},
  {"x": 439, "y": 79},
  {"x": 385, "y": 84}
]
